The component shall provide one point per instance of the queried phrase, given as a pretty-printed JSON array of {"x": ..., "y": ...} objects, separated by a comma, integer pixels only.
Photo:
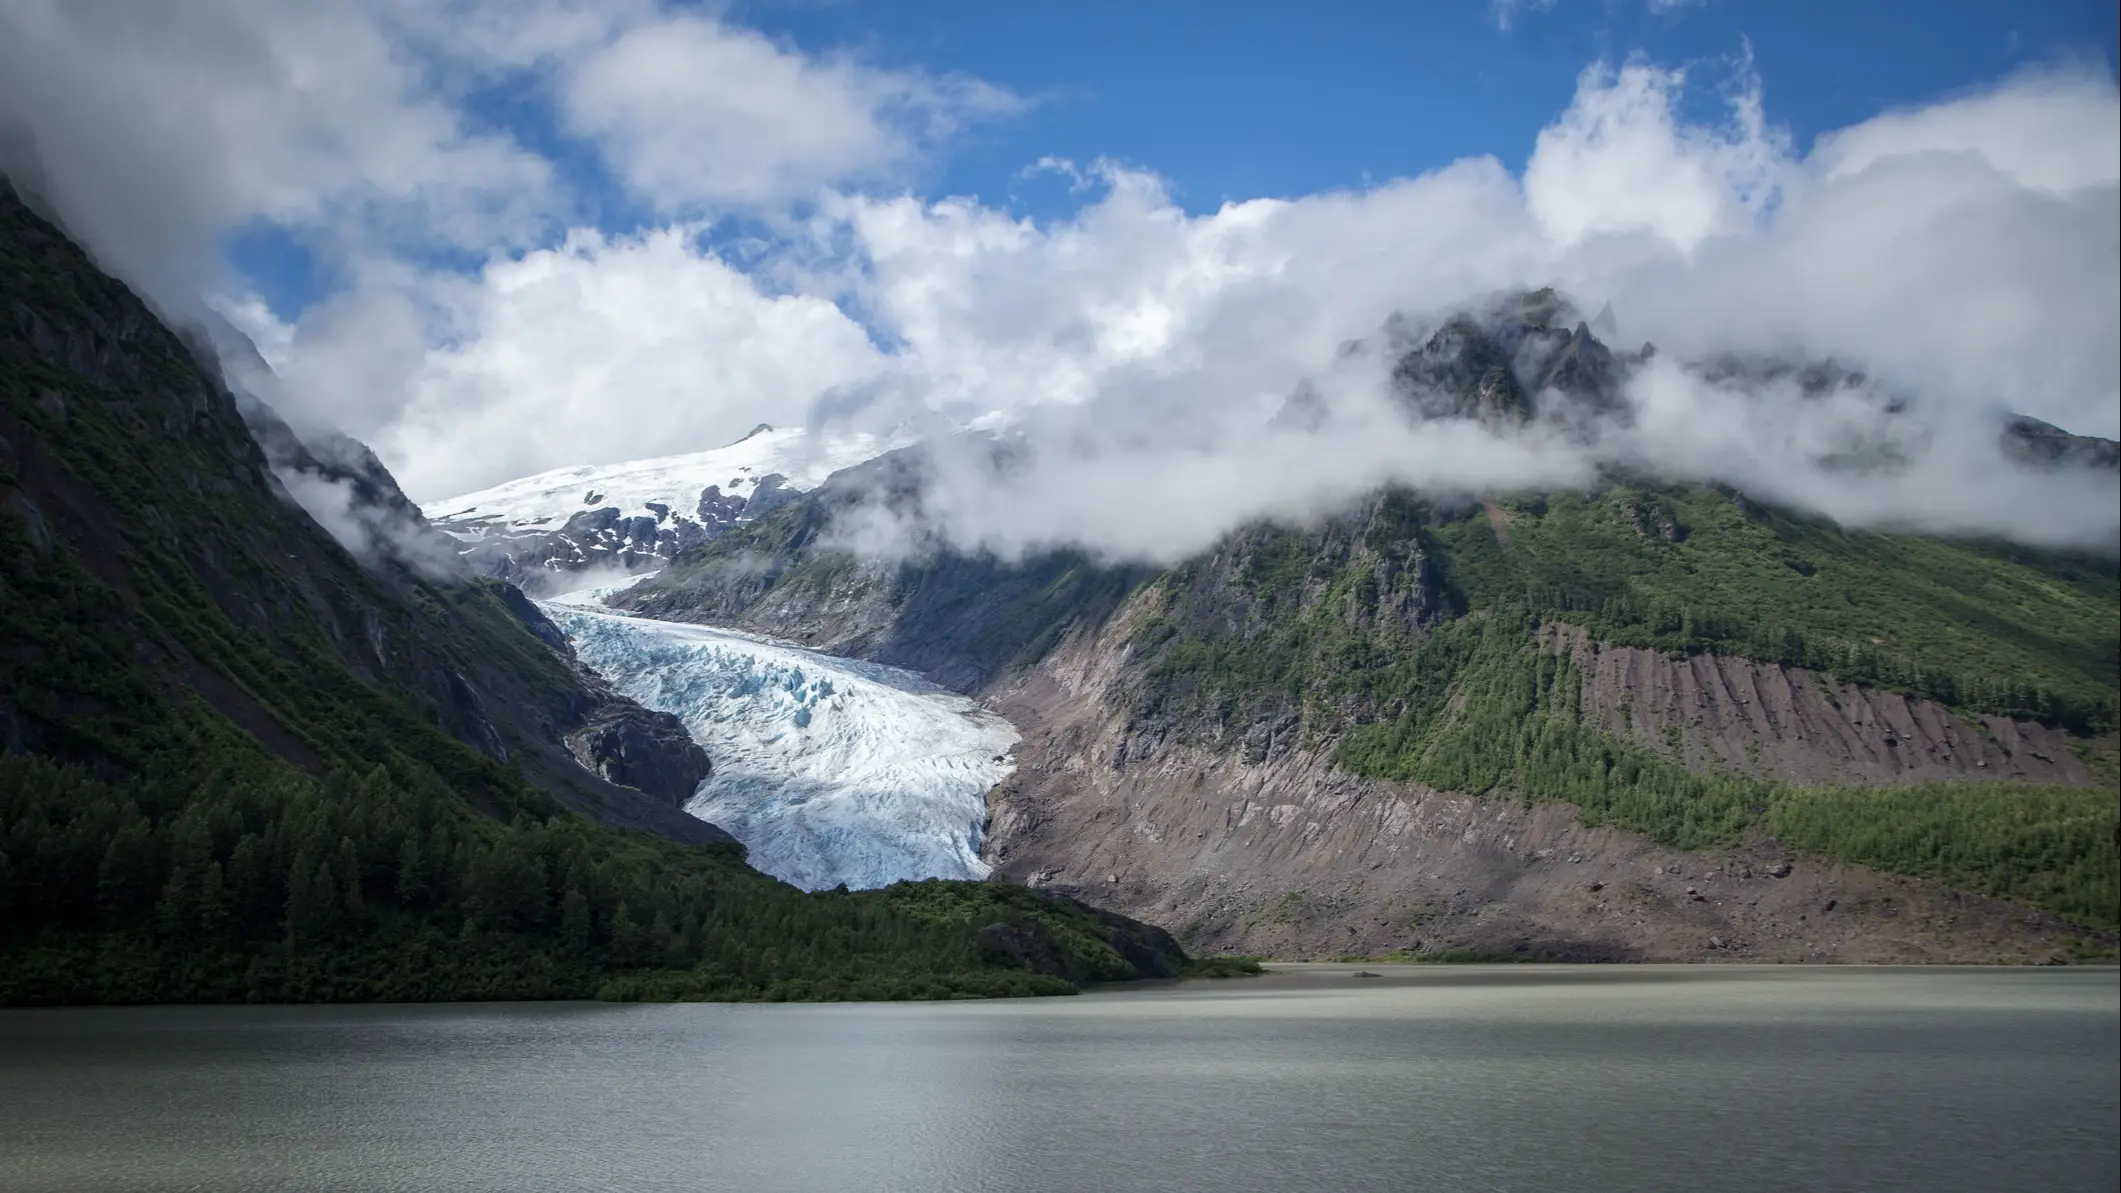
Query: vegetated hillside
[
  {"x": 1485, "y": 648},
  {"x": 241, "y": 763}
]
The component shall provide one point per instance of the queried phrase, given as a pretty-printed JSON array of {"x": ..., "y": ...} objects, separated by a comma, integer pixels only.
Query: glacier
[{"x": 829, "y": 770}]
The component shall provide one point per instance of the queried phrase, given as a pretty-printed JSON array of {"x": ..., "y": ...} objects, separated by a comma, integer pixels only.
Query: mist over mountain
[
  {"x": 1514, "y": 394},
  {"x": 258, "y": 747}
]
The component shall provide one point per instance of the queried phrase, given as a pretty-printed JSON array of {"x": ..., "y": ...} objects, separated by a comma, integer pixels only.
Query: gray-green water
[{"x": 1512, "y": 1077}]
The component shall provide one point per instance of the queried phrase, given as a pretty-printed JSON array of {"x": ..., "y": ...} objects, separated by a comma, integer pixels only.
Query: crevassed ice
[{"x": 828, "y": 770}]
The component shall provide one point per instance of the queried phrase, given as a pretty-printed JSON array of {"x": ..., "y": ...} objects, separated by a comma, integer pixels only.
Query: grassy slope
[{"x": 218, "y": 801}]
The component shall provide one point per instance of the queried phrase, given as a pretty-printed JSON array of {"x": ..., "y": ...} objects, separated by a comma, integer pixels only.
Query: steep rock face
[
  {"x": 647, "y": 751},
  {"x": 1284, "y": 854},
  {"x": 1518, "y": 360},
  {"x": 1462, "y": 371}
]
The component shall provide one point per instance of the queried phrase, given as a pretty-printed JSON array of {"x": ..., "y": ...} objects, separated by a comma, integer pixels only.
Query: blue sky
[
  {"x": 1242, "y": 100},
  {"x": 1236, "y": 101}
]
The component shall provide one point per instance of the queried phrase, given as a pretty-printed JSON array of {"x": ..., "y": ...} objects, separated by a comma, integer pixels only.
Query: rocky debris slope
[
  {"x": 1712, "y": 712},
  {"x": 1281, "y": 853}
]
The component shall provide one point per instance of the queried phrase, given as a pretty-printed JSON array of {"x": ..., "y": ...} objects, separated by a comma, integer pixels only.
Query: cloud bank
[{"x": 1964, "y": 253}]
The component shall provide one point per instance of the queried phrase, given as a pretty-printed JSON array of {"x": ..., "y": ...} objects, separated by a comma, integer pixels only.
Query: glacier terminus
[{"x": 829, "y": 770}]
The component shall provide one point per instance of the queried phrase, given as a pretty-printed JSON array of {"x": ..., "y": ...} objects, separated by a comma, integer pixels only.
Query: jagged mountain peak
[
  {"x": 2044, "y": 445},
  {"x": 1520, "y": 357},
  {"x": 1528, "y": 356}
]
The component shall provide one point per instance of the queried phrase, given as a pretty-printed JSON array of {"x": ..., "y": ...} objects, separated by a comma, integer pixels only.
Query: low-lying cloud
[{"x": 1856, "y": 453}]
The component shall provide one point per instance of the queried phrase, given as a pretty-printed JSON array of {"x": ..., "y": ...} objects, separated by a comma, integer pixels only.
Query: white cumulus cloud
[{"x": 692, "y": 113}]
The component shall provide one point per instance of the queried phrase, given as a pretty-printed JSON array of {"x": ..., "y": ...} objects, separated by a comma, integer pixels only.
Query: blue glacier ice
[{"x": 829, "y": 770}]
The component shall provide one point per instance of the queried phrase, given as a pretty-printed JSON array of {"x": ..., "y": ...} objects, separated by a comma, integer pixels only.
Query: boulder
[{"x": 648, "y": 751}]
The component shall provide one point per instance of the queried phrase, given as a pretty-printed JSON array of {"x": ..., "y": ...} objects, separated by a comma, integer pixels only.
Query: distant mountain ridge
[{"x": 1513, "y": 360}]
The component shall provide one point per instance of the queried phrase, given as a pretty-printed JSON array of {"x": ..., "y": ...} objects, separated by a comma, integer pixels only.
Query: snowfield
[
  {"x": 545, "y": 501},
  {"x": 828, "y": 770}
]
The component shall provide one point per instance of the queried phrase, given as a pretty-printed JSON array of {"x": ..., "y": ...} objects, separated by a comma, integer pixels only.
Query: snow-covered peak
[{"x": 544, "y": 502}]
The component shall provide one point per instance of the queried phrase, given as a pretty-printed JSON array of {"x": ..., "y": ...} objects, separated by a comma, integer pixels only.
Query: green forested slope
[{"x": 1980, "y": 625}]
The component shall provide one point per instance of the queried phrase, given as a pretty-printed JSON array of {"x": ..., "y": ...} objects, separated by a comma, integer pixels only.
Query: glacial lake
[{"x": 1304, "y": 1081}]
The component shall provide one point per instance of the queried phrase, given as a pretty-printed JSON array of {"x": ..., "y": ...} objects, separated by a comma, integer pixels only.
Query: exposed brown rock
[{"x": 1787, "y": 723}]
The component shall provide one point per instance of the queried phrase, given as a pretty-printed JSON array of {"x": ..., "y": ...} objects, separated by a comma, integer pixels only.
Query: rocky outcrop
[
  {"x": 1584, "y": 376},
  {"x": 648, "y": 751},
  {"x": 1514, "y": 362},
  {"x": 611, "y": 736},
  {"x": 2045, "y": 446},
  {"x": 1462, "y": 371}
]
